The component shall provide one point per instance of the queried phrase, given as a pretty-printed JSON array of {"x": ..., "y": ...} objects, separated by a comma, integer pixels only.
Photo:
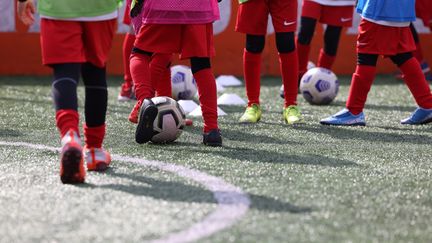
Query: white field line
[{"x": 233, "y": 203}]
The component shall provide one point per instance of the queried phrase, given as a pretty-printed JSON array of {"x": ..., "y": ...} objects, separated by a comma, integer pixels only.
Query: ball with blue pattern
[{"x": 319, "y": 86}]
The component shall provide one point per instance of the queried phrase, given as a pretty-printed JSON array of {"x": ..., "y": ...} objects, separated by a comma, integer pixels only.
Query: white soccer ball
[
  {"x": 319, "y": 86},
  {"x": 183, "y": 84},
  {"x": 169, "y": 122}
]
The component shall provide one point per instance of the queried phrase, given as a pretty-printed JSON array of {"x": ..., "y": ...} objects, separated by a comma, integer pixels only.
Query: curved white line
[{"x": 233, "y": 203}]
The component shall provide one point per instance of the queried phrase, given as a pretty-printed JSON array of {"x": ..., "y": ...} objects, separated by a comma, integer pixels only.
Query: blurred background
[{"x": 20, "y": 49}]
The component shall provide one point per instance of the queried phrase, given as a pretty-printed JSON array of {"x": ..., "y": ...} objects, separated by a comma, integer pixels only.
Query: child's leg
[
  {"x": 305, "y": 35},
  {"x": 128, "y": 43},
  {"x": 252, "y": 66},
  {"x": 418, "y": 53},
  {"x": 64, "y": 91},
  {"x": 206, "y": 83},
  {"x": 414, "y": 79},
  {"x": 160, "y": 74},
  {"x": 96, "y": 100},
  {"x": 288, "y": 63},
  {"x": 140, "y": 70},
  {"x": 331, "y": 42},
  {"x": 361, "y": 82}
]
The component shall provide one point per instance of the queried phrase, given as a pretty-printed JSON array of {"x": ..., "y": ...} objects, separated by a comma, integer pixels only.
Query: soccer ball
[
  {"x": 169, "y": 122},
  {"x": 310, "y": 65},
  {"x": 182, "y": 83},
  {"x": 319, "y": 86}
]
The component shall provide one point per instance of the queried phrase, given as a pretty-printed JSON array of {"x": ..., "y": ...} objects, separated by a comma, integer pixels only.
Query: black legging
[
  {"x": 371, "y": 59},
  {"x": 285, "y": 42},
  {"x": 331, "y": 35},
  {"x": 64, "y": 90}
]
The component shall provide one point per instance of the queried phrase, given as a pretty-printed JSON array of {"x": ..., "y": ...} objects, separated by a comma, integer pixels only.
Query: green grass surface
[{"x": 306, "y": 183}]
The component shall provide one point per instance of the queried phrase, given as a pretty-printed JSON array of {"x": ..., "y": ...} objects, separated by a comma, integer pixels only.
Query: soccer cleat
[
  {"x": 97, "y": 159},
  {"x": 252, "y": 114},
  {"x": 188, "y": 122},
  {"x": 126, "y": 93},
  {"x": 212, "y": 138},
  {"x": 71, "y": 160},
  {"x": 418, "y": 117},
  {"x": 345, "y": 118},
  {"x": 147, "y": 115},
  {"x": 133, "y": 116},
  {"x": 292, "y": 115}
]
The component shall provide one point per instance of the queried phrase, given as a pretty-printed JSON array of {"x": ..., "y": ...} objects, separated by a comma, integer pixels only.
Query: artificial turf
[{"x": 306, "y": 183}]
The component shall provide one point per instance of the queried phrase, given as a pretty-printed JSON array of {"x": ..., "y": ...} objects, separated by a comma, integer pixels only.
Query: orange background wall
[{"x": 20, "y": 52}]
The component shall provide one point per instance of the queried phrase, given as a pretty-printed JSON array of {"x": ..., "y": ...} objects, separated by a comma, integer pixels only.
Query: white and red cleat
[
  {"x": 127, "y": 92},
  {"x": 72, "y": 168},
  {"x": 188, "y": 122},
  {"x": 97, "y": 159},
  {"x": 133, "y": 116}
]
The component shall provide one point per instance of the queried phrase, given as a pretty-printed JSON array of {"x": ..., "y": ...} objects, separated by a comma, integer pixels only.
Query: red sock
[
  {"x": 360, "y": 85},
  {"x": 288, "y": 63},
  {"x": 416, "y": 82},
  {"x": 161, "y": 74},
  {"x": 140, "y": 71},
  {"x": 303, "y": 57},
  {"x": 208, "y": 98},
  {"x": 418, "y": 53},
  {"x": 252, "y": 76},
  {"x": 128, "y": 44},
  {"x": 325, "y": 61},
  {"x": 94, "y": 136},
  {"x": 67, "y": 120}
]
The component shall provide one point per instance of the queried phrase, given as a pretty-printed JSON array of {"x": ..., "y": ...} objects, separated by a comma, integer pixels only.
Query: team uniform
[
  {"x": 75, "y": 39},
  {"x": 161, "y": 75},
  {"x": 336, "y": 14},
  {"x": 252, "y": 19},
  {"x": 183, "y": 27},
  {"x": 384, "y": 30}
]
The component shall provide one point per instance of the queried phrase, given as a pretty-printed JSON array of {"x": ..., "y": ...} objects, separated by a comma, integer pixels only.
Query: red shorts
[
  {"x": 384, "y": 40},
  {"x": 424, "y": 11},
  {"x": 189, "y": 40},
  {"x": 76, "y": 41},
  {"x": 332, "y": 15},
  {"x": 126, "y": 17},
  {"x": 252, "y": 16}
]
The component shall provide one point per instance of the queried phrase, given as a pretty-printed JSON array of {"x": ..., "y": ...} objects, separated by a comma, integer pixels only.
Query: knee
[
  {"x": 401, "y": 58},
  {"x": 199, "y": 63},
  {"x": 367, "y": 59},
  {"x": 307, "y": 29},
  {"x": 255, "y": 43},
  {"x": 93, "y": 75},
  {"x": 285, "y": 42},
  {"x": 331, "y": 39}
]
